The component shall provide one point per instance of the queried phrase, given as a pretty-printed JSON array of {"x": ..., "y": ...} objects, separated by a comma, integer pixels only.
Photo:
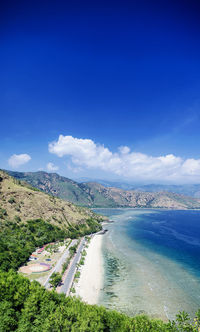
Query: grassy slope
[
  {"x": 96, "y": 195},
  {"x": 56, "y": 185},
  {"x": 27, "y": 306},
  {"x": 21, "y": 201},
  {"x": 30, "y": 218}
]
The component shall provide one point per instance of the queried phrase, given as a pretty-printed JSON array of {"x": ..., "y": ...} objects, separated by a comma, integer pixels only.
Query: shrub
[
  {"x": 55, "y": 279},
  {"x": 11, "y": 200},
  {"x": 17, "y": 219}
]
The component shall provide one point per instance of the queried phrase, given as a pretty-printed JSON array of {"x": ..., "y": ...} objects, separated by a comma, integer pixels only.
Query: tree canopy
[{"x": 28, "y": 307}]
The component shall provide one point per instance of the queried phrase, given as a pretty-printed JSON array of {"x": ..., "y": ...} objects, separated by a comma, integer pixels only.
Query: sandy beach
[{"x": 90, "y": 281}]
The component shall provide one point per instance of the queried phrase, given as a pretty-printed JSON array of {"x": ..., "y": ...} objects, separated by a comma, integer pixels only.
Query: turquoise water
[{"x": 151, "y": 262}]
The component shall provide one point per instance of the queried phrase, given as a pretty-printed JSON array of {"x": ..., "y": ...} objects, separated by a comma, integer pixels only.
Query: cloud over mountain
[
  {"x": 125, "y": 163},
  {"x": 51, "y": 167},
  {"x": 17, "y": 160}
]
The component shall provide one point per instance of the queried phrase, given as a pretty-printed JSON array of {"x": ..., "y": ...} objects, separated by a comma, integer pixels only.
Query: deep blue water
[
  {"x": 163, "y": 244},
  {"x": 174, "y": 234}
]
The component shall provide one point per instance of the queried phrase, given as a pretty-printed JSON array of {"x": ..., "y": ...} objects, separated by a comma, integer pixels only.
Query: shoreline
[
  {"x": 91, "y": 277},
  {"x": 145, "y": 208}
]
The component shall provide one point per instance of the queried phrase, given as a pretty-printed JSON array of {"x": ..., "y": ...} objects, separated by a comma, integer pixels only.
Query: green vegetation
[
  {"x": 55, "y": 279},
  {"x": 28, "y": 307},
  {"x": 68, "y": 243},
  {"x": 72, "y": 290},
  {"x": 56, "y": 185},
  {"x": 22, "y": 201},
  {"x": 17, "y": 219},
  {"x": 65, "y": 265},
  {"x": 18, "y": 241},
  {"x": 11, "y": 200},
  {"x": 82, "y": 261},
  {"x": 77, "y": 274},
  {"x": 90, "y": 226},
  {"x": 3, "y": 213},
  {"x": 96, "y": 195},
  {"x": 72, "y": 251},
  {"x": 84, "y": 253},
  {"x": 20, "y": 234},
  {"x": 53, "y": 247}
]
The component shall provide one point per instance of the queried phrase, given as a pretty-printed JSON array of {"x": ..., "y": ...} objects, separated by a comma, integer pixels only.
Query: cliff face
[
  {"x": 18, "y": 201},
  {"x": 93, "y": 194}
]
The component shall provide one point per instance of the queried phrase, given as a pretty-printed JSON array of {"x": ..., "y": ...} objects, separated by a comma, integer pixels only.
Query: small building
[{"x": 32, "y": 258}]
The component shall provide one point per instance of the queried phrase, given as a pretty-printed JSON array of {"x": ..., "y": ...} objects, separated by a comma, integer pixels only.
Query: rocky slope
[
  {"x": 18, "y": 201},
  {"x": 96, "y": 195},
  {"x": 56, "y": 185},
  {"x": 192, "y": 190},
  {"x": 131, "y": 198}
]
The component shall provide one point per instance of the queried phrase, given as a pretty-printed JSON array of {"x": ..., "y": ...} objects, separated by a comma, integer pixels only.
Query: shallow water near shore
[{"x": 151, "y": 262}]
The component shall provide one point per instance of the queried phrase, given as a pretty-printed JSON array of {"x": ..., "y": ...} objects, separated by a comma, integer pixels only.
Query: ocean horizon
[{"x": 151, "y": 262}]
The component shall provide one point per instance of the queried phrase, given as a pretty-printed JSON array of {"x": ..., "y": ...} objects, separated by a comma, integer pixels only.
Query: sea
[{"x": 151, "y": 262}]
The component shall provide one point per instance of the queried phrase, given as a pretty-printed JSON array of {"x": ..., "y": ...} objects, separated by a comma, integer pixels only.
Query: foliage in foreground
[
  {"x": 19, "y": 240},
  {"x": 28, "y": 307},
  {"x": 55, "y": 279}
]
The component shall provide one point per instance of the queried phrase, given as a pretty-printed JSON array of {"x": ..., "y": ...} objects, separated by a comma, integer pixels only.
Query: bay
[{"x": 151, "y": 262}]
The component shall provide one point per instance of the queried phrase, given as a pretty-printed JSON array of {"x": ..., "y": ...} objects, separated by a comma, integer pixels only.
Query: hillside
[
  {"x": 93, "y": 194},
  {"x": 22, "y": 202},
  {"x": 136, "y": 199},
  {"x": 192, "y": 190},
  {"x": 28, "y": 307},
  {"x": 30, "y": 218},
  {"x": 56, "y": 185}
]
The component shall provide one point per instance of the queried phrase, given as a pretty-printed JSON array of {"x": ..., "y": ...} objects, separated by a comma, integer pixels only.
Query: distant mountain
[
  {"x": 192, "y": 190},
  {"x": 94, "y": 194},
  {"x": 131, "y": 198},
  {"x": 107, "y": 183}
]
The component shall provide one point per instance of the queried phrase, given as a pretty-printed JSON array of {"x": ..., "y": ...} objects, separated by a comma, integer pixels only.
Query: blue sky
[{"x": 111, "y": 73}]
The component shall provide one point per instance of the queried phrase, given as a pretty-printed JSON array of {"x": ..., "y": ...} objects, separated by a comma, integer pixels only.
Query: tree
[
  {"x": 55, "y": 279},
  {"x": 8, "y": 321},
  {"x": 72, "y": 249}
]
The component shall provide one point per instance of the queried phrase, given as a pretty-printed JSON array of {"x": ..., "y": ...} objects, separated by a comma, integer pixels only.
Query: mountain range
[
  {"x": 192, "y": 190},
  {"x": 93, "y": 194},
  {"x": 21, "y": 202}
]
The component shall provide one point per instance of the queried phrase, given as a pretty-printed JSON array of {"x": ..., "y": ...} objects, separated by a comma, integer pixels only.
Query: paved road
[
  {"x": 72, "y": 270},
  {"x": 60, "y": 262}
]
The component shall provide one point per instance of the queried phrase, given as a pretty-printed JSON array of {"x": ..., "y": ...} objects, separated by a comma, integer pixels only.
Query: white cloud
[
  {"x": 124, "y": 149},
  {"x": 191, "y": 166},
  {"x": 125, "y": 163},
  {"x": 17, "y": 160},
  {"x": 51, "y": 167}
]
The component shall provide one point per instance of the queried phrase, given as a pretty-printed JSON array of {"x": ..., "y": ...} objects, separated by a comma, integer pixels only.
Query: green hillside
[
  {"x": 93, "y": 194},
  {"x": 56, "y": 185},
  {"x": 28, "y": 307},
  {"x": 30, "y": 218},
  {"x": 24, "y": 202}
]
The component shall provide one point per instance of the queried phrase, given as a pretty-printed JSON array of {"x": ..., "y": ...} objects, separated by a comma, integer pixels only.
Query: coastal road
[
  {"x": 60, "y": 262},
  {"x": 72, "y": 270}
]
